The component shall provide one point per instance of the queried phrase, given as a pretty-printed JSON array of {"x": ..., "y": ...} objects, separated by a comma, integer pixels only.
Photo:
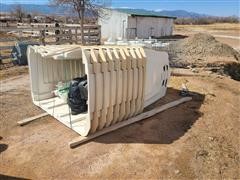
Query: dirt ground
[
  {"x": 9, "y": 70},
  {"x": 226, "y": 33},
  {"x": 198, "y": 139}
]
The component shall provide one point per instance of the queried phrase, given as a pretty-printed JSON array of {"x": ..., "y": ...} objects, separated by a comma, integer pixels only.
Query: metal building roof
[{"x": 143, "y": 13}]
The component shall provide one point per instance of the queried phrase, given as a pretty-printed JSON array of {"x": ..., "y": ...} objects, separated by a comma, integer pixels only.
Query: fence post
[
  {"x": 76, "y": 38},
  {"x": 70, "y": 36},
  {"x": 21, "y": 33},
  {"x": 61, "y": 35},
  {"x": 42, "y": 32},
  {"x": 88, "y": 35},
  {"x": 99, "y": 35},
  {"x": 82, "y": 35}
]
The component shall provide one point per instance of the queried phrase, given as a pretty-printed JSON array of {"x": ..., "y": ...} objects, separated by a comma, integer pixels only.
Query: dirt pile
[{"x": 201, "y": 50}]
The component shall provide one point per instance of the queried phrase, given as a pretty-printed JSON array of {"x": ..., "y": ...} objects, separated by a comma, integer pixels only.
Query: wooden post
[
  {"x": 70, "y": 36},
  {"x": 30, "y": 119},
  {"x": 88, "y": 35},
  {"x": 62, "y": 35},
  {"x": 99, "y": 35},
  {"x": 21, "y": 33},
  {"x": 76, "y": 37},
  {"x": 42, "y": 37}
]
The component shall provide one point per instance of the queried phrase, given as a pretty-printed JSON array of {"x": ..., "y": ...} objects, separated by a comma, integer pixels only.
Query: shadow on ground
[
  {"x": 163, "y": 128},
  {"x": 5, "y": 177},
  {"x": 176, "y": 37},
  {"x": 3, "y": 147}
]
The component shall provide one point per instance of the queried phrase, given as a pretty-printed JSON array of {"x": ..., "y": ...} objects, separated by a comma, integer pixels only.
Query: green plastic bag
[{"x": 62, "y": 90}]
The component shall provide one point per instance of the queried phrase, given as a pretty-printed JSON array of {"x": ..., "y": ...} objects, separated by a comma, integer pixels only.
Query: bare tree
[
  {"x": 18, "y": 12},
  {"x": 93, "y": 7}
]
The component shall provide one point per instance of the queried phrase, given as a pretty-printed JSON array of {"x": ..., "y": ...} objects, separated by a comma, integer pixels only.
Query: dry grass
[{"x": 217, "y": 26}]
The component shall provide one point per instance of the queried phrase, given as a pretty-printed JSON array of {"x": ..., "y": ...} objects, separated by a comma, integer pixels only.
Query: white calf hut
[
  {"x": 121, "y": 82},
  {"x": 130, "y": 23}
]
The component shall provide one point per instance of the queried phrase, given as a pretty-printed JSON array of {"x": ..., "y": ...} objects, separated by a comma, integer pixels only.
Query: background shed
[{"x": 130, "y": 23}]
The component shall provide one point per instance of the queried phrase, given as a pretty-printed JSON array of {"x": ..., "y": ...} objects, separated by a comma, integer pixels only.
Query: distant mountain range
[
  {"x": 176, "y": 13},
  {"x": 38, "y": 8},
  {"x": 46, "y": 9},
  {"x": 182, "y": 14}
]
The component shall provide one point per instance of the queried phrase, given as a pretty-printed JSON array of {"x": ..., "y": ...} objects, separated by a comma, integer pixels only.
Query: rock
[
  {"x": 202, "y": 153},
  {"x": 195, "y": 70},
  {"x": 211, "y": 138},
  {"x": 176, "y": 171},
  {"x": 184, "y": 90}
]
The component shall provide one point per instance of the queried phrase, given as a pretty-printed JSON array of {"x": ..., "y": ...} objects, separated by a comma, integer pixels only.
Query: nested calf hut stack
[{"x": 121, "y": 82}]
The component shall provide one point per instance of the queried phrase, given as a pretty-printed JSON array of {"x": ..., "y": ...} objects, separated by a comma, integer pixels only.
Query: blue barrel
[{"x": 19, "y": 52}]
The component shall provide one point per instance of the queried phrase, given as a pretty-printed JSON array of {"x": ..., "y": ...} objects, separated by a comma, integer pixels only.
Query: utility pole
[{"x": 82, "y": 9}]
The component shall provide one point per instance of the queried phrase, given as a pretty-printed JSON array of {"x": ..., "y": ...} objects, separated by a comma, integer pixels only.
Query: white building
[{"x": 129, "y": 24}]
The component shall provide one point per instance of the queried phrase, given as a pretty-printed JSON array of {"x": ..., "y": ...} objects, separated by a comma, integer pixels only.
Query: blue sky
[{"x": 212, "y": 7}]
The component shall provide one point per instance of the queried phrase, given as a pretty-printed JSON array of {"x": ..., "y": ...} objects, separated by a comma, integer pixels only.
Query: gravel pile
[{"x": 201, "y": 50}]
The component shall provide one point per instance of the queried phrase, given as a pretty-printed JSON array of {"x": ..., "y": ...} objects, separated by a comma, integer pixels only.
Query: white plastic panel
[
  {"x": 157, "y": 75},
  {"x": 121, "y": 82}
]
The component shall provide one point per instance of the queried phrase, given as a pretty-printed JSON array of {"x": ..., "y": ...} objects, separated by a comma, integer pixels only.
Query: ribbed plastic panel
[{"x": 121, "y": 82}]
